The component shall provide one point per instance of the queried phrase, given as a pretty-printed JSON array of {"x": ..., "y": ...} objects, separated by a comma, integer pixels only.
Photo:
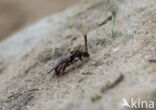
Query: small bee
[{"x": 70, "y": 59}]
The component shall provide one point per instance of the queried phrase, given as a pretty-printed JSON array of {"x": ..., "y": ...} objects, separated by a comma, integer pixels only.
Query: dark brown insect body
[{"x": 70, "y": 59}]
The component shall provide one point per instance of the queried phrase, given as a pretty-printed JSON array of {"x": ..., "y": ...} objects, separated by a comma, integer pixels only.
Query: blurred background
[{"x": 16, "y": 14}]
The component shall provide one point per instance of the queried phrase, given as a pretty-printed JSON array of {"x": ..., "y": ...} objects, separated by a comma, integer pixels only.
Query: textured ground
[{"x": 26, "y": 57}]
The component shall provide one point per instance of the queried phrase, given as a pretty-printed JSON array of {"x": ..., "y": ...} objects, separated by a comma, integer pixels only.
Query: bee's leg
[
  {"x": 80, "y": 58},
  {"x": 63, "y": 68},
  {"x": 58, "y": 70}
]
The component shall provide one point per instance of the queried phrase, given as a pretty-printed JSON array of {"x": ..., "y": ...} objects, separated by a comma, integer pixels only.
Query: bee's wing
[{"x": 51, "y": 69}]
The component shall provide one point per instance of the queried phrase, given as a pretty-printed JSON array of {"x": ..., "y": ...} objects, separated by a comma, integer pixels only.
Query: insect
[{"x": 70, "y": 59}]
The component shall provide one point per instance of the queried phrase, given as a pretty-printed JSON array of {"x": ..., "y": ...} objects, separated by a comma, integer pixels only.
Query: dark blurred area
[{"x": 16, "y": 14}]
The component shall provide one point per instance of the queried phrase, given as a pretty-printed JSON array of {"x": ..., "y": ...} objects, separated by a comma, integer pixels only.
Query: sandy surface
[
  {"x": 16, "y": 14},
  {"x": 93, "y": 85}
]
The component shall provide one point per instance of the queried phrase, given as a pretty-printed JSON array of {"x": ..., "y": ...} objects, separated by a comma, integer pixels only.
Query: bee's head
[{"x": 85, "y": 54}]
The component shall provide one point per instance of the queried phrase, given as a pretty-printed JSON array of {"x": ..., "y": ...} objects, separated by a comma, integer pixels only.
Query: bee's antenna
[{"x": 86, "y": 45}]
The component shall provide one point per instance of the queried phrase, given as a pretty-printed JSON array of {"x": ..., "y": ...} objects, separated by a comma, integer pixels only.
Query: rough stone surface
[{"x": 26, "y": 57}]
